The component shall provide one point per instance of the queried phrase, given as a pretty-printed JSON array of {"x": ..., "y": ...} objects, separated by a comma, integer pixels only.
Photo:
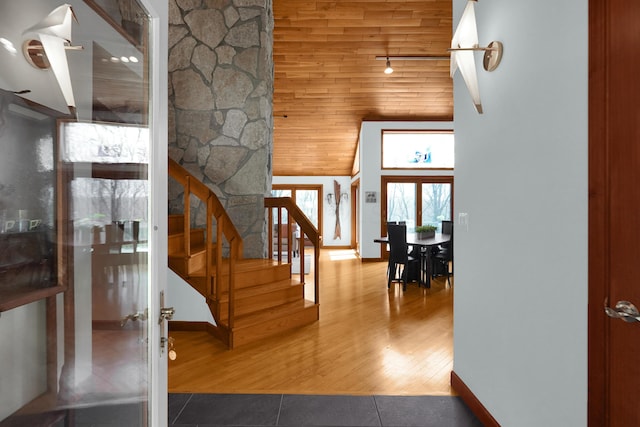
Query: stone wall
[{"x": 220, "y": 107}]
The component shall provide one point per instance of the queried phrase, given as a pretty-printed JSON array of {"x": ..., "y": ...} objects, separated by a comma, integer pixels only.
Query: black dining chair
[
  {"x": 442, "y": 259},
  {"x": 402, "y": 267},
  {"x": 447, "y": 227}
]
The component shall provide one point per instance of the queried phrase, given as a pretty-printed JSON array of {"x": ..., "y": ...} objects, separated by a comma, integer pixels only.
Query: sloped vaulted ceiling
[{"x": 327, "y": 78}]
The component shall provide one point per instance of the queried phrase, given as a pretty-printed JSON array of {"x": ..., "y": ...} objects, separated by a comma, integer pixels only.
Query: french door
[
  {"x": 423, "y": 200},
  {"x": 306, "y": 197},
  {"x": 417, "y": 200}
]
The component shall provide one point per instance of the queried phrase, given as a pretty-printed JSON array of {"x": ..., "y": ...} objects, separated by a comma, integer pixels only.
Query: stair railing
[
  {"x": 307, "y": 230},
  {"x": 224, "y": 227}
]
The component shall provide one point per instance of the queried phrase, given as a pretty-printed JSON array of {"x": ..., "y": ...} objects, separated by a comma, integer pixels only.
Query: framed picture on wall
[{"x": 371, "y": 197}]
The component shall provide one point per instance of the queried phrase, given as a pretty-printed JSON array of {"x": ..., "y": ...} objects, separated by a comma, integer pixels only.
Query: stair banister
[
  {"x": 209, "y": 227},
  {"x": 216, "y": 268},
  {"x": 306, "y": 228},
  {"x": 224, "y": 227},
  {"x": 187, "y": 216}
]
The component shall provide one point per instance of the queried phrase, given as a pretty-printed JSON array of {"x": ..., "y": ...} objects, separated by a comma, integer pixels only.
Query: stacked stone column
[{"x": 220, "y": 107}]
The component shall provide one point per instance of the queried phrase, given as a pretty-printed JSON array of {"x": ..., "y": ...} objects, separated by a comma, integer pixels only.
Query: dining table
[{"x": 424, "y": 246}]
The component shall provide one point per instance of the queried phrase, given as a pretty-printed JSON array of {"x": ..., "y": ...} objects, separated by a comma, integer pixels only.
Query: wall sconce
[
  {"x": 46, "y": 45},
  {"x": 463, "y": 44}
]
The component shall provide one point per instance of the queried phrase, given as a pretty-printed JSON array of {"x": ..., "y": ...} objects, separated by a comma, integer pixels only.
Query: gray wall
[{"x": 520, "y": 308}]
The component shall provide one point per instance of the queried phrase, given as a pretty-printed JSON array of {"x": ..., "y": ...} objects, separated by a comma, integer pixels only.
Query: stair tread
[
  {"x": 195, "y": 233},
  {"x": 183, "y": 254},
  {"x": 268, "y": 299},
  {"x": 262, "y": 289},
  {"x": 248, "y": 320},
  {"x": 242, "y": 265}
]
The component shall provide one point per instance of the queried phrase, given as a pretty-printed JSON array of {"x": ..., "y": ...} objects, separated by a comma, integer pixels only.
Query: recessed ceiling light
[
  {"x": 124, "y": 59},
  {"x": 114, "y": 59},
  {"x": 133, "y": 59}
]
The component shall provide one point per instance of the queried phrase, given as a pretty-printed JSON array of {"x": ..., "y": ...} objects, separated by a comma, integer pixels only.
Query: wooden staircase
[{"x": 249, "y": 299}]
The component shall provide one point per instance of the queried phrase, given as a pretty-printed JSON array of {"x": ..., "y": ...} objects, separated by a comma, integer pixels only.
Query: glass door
[
  {"x": 436, "y": 203},
  {"x": 307, "y": 201},
  {"x": 105, "y": 197},
  {"x": 82, "y": 199},
  {"x": 307, "y": 198},
  {"x": 401, "y": 204},
  {"x": 419, "y": 200}
]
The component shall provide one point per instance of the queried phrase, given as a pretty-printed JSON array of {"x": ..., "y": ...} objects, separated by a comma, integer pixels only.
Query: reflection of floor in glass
[
  {"x": 104, "y": 414},
  {"x": 118, "y": 371},
  {"x": 114, "y": 394},
  {"x": 119, "y": 291}
]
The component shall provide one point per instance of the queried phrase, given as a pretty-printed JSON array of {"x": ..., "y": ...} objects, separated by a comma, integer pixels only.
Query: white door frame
[{"x": 158, "y": 398}]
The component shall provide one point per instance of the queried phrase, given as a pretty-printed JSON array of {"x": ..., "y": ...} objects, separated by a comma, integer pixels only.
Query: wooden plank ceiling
[{"x": 327, "y": 78}]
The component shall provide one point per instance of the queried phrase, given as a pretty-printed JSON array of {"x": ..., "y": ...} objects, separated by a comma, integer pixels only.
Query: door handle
[
  {"x": 166, "y": 313},
  {"x": 134, "y": 317},
  {"x": 623, "y": 310}
]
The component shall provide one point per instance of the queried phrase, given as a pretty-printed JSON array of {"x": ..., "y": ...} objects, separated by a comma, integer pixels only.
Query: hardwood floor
[{"x": 369, "y": 340}]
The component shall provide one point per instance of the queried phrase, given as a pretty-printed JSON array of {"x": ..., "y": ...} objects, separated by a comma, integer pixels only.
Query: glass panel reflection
[
  {"x": 74, "y": 208},
  {"x": 401, "y": 204},
  {"x": 436, "y": 204}
]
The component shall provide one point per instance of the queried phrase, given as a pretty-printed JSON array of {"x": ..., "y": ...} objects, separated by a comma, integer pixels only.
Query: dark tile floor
[{"x": 257, "y": 410}]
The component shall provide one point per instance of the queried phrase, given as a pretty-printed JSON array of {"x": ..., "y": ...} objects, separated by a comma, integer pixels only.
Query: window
[
  {"x": 417, "y": 201},
  {"x": 417, "y": 149}
]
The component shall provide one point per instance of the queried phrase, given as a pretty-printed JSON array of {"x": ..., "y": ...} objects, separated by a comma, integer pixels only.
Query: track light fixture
[{"x": 388, "y": 69}]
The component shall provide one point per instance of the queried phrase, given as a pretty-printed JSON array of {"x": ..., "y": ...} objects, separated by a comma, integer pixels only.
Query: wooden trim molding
[
  {"x": 598, "y": 273},
  {"x": 355, "y": 213},
  {"x": 472, "y": 401},
  {"x": 181, "y": 325},
  {"x": 213, "y": 330}
]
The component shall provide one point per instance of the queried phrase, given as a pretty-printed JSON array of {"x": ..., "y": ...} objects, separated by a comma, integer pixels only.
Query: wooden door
[{"x": 614, "y": 207}]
